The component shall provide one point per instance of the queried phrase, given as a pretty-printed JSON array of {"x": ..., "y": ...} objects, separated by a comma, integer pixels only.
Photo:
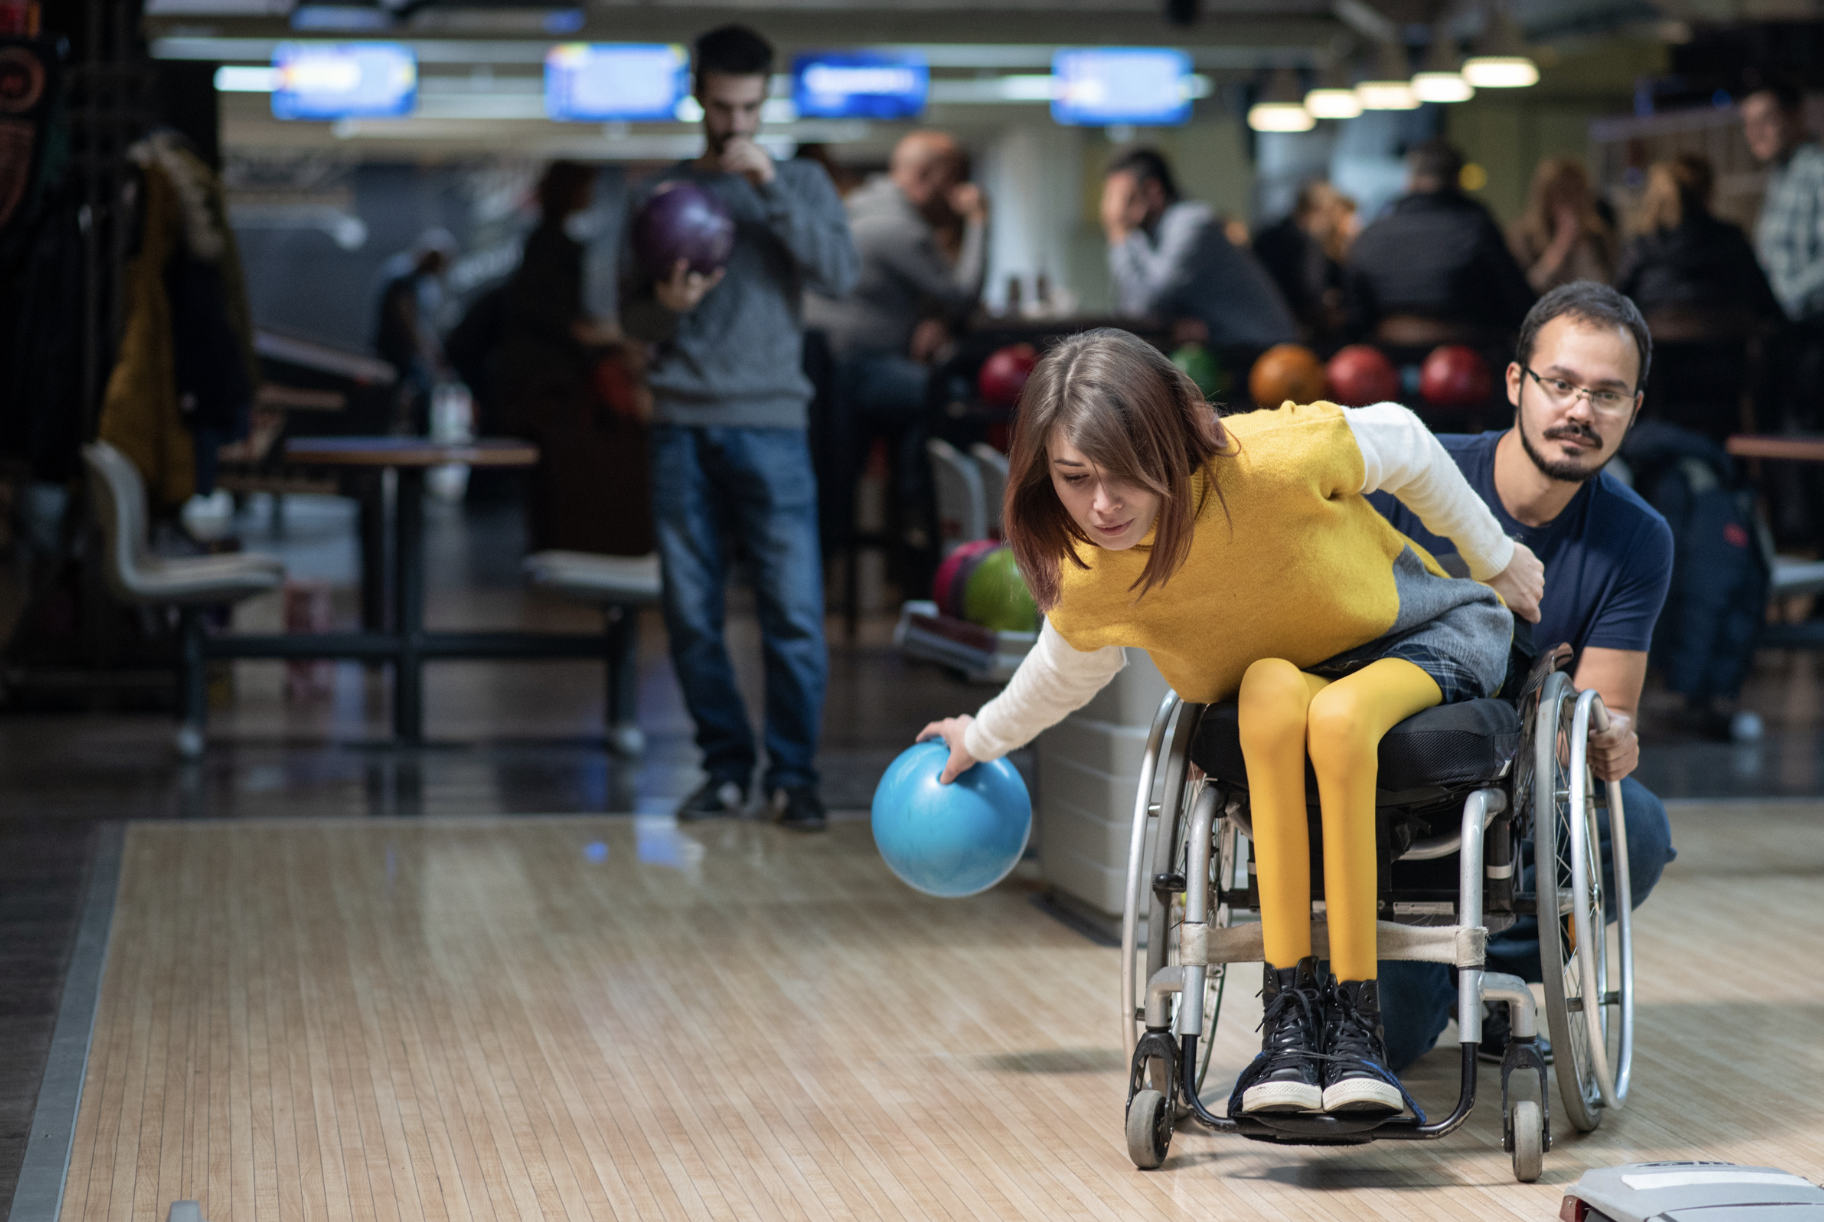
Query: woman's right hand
[
  {"x": 1521, "y": 584},
  {"x": 951, "y": 730}
]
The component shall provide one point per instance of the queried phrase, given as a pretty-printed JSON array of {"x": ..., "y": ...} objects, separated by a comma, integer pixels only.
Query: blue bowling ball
[{"x": 950, "y": 840}]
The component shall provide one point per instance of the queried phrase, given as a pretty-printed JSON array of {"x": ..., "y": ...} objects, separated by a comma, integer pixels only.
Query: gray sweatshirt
[
  {"x": 1188, "y": 268},
  {"x": 737, "y": 358},
  {"x": 903, "y": 277}
]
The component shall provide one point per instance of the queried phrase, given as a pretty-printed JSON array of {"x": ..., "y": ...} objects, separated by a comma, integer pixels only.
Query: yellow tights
[{"x": 1285, "y": 713}]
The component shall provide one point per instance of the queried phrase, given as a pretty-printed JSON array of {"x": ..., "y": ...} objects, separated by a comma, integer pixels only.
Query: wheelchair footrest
[{"x": 1293, "y": 1129}]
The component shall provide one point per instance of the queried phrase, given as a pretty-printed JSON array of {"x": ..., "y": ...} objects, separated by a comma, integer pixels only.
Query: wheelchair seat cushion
[{"x": 1430, "y": 756}]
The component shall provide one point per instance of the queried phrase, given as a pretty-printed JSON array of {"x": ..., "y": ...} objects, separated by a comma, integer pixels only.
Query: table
[
  {"x": 1798, "y": 447},
  {"x": 1792, "y": 447},
  {"x": 406, "y": 644}
]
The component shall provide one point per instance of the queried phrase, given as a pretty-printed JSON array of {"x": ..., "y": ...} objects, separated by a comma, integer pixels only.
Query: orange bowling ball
[
  {"x": 1287, "y": 371},
  {"x": 1455, "y": 375},
  {"x": 1361, "y": 374}
]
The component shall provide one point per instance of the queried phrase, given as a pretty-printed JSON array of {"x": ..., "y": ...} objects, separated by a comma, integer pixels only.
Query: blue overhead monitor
[
  {"x": 1104, "y": 86},
  {"x": 355, "y": 80},
  {"x": 859, "y": 85},
  {"x": 598, "y": 82}
]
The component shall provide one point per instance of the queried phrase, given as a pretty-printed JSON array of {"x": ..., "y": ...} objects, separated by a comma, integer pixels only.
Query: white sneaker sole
[
  {"x": 1363, "y": 1095},
  {"x": 1283, "y": 1097}
]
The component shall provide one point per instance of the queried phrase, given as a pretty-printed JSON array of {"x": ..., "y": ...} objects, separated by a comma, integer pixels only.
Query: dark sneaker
[
  {"x": 714, "y": 799},
  {"x": 1285, "y": 1076},
  {"x": 799, "y": 808},
  {"x": 1356, "y": 1078},
  {"x": 1496, "y": 1027}
]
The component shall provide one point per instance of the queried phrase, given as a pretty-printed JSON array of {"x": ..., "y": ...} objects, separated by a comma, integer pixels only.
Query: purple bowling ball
[{"x": 683, "y": 221}]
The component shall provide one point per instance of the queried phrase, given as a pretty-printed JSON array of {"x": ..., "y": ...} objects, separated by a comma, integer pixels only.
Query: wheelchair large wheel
[{"x": 1587, "y": 1003}]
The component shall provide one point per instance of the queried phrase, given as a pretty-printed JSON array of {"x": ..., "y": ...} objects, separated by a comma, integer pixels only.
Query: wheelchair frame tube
[
  {"x": 1480, "y": 807},
  {"x": 1196, "y": 908},
  {"x": 1136, "y": 871}
]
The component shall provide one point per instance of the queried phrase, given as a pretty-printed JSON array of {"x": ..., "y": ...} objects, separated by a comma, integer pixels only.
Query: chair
[
  {"x": 962, "y": 504},
  {"x": 992, "y": 465},
  {"x": 136, "y": 576},
  {"x": 620, "y": 585}
]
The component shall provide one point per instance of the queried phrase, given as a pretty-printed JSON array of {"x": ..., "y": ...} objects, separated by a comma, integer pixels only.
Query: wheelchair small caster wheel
[
  {"x": 1149, "y": 1129},
  {"x": 1529, "y": 1140}
]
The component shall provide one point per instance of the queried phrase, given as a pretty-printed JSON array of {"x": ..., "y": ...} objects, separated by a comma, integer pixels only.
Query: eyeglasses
[{"x": 1563, "y": 393}]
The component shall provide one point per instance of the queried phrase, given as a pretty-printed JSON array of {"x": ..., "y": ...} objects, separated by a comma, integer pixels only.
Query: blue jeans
[
  {"x": 1416, "y": 998},
  {"x": 758, "y": 483}
]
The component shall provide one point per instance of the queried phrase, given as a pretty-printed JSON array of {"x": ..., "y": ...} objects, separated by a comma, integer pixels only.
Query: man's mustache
[{"x": 1577, "y": 431}]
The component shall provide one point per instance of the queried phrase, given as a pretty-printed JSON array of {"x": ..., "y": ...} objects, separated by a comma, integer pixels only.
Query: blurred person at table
[
  {"x": 1562, "y": 236},
  {"x": 1695, "y": 278},
  {"x": 1172, "y": 262},
  {"x": 1435, "y": 268},
  {"x": 405, "y": 324},
  {"x": 546, "y": 329},
  {"x": 1789, "y": 239},
  {"x": 909, "y": 298},
  {"x": 1301, "y": 253},
  {"x": 730, "y": 451}
]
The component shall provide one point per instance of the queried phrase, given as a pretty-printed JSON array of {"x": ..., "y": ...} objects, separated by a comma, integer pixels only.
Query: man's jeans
[
  {"x": 1416, "y": 998},
  {"x": 757, "y": 483}
]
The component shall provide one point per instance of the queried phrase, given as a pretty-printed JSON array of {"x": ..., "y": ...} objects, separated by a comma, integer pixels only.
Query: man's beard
[{"x": 1564, "y": 470}]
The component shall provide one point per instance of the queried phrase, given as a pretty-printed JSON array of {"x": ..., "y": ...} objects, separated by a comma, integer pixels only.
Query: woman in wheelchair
[{"x": 1243, "y": 556}]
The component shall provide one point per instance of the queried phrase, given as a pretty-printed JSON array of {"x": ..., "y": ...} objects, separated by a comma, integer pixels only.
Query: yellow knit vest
[{"x": 1301, "y": 566}]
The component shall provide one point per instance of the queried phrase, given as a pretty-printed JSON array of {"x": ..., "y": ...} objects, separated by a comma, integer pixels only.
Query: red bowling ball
[
  {"x": 1455, "y": 375},
  {"x": 1004, "y": 374},
  {"x": 1361, "y": 374}
]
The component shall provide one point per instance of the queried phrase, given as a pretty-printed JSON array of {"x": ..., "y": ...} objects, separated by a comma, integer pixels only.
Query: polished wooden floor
[{"x": 332, "y": 1021}]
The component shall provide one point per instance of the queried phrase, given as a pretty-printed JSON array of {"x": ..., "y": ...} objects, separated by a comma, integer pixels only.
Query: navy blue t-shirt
[{"x": 1607, "y": 557}]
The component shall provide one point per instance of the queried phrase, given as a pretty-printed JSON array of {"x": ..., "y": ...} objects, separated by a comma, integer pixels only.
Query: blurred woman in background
[{"x": 1563, "y": 236}]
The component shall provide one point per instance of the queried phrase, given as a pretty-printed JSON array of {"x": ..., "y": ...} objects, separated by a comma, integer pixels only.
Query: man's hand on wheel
[
  {"x": 1614, "y": 752},
  {"x": 1521, "y": 584},
  {"x": 951, "y": 730}
]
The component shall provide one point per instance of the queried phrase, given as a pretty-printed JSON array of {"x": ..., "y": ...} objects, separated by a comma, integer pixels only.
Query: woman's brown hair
[
  {"x": 1677, "y": 190},
  {"x": 1132, "y": 413}
]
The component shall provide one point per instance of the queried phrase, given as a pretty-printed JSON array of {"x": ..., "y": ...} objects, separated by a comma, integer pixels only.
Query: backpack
[{"x": 1704, "y": 641}]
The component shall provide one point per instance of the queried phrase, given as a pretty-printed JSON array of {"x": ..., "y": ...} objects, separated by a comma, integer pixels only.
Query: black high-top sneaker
[
  {"x": 1356, "y": 1077},
  {"x": 1285, "y": 1076}
]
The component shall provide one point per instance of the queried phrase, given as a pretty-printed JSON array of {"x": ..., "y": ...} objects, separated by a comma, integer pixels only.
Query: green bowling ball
[
  {"x": 996, "y": 596},
  {"x": 1202, "y": 367}
]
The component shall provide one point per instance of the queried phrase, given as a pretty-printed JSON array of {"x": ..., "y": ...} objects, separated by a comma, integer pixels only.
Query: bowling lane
[{"x": 590, "y": 1018}]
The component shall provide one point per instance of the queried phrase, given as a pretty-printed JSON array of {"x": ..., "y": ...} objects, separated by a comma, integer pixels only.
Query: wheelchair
[{"x": 1467, "y": 794}]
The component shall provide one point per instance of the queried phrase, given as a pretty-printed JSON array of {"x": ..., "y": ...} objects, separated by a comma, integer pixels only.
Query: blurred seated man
[
  {"x": 1297, "y": 253},
  {"x": 884, "y": 335},
  {"x": 1435, "y": 268},
  {"x": 1172, "y": 262},
  {"x": 1695, "y": 278},
  {"x": 1575, "y": 383}
]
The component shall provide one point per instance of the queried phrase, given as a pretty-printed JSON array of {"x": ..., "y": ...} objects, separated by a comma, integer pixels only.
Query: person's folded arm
[
  {"x": 1400, "y": 455},
  {"x": 1053, "y": 681}
]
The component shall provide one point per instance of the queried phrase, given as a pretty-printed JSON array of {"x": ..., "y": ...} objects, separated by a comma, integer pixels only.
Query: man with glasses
[{"x": 1575, "y": 384}]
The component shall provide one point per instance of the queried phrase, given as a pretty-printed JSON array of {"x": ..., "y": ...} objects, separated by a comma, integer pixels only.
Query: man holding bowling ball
[{"x": 729, "y": 412}]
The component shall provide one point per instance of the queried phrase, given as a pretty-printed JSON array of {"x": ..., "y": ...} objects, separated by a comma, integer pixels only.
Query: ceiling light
[
  {"x": 1500, "y": 60},
  {"x": 1439, "y": 79},
  {"x": 1333, "y": 98},
  {"x": 1387, "y": 86},
  {"x": 1279, "y": 108}
]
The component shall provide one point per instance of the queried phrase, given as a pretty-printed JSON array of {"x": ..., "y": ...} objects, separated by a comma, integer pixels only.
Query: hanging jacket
[{"x": 187, "y": 351}]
